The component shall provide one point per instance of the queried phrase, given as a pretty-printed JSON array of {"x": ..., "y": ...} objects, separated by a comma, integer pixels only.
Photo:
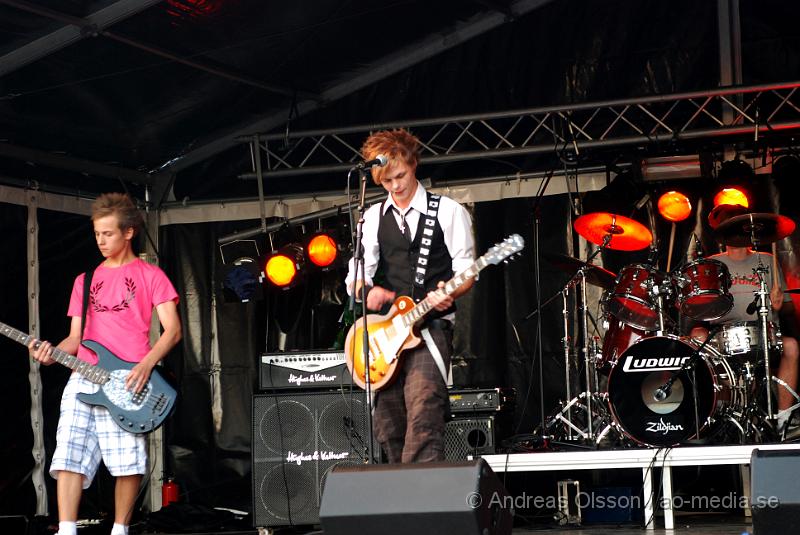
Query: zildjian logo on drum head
[
  {"x": 651, "y": 364},
  {"x": 662, "y": 427}
]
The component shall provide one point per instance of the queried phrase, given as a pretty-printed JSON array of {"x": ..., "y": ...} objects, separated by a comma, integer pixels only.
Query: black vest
[{"x": 398, "y": 259}]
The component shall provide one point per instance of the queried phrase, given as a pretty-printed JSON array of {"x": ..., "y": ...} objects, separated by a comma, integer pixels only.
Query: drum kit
[{"x": 645, "y": 384}]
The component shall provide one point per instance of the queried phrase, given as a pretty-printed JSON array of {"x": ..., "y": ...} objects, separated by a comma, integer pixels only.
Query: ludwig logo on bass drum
[{"x": 652, "y": 364}]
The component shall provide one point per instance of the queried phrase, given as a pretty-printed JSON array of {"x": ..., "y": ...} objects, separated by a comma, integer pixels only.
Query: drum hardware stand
[
  {"x": 587, "y": 357},
  {"x": 565, "y": 341},
  {"x": 576, "y": 432},
  {"x": 662, "y": 392},
  {"x": 589, "y": 352},
  {"x": 763, "y": 312}
]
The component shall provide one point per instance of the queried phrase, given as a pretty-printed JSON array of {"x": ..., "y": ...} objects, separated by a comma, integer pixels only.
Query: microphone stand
[
  {"x": 358, "y": 264},
  {"x": 661, "y": 393}
]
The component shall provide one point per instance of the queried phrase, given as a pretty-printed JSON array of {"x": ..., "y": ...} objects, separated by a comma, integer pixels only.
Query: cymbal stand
[
  {"x": 763, "y": 313},
  {"x": 588, "y": 361},
  {"x": 588, "y": 356},
  {"x": 565, "y": 341}
]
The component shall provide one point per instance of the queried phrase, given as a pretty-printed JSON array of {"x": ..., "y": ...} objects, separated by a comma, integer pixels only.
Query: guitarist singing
[
  {"x": 122, "y": 294},
  {"x": 409, "y": 416}
]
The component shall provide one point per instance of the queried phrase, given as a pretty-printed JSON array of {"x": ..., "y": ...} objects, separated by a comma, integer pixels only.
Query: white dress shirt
[{"x": 452, "y": 217}]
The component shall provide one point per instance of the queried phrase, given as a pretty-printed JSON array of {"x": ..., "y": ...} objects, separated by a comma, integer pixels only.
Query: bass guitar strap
[{"x": 87, "y": 283}]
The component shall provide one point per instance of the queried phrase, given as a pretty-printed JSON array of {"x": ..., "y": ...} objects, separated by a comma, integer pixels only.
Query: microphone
[
  {"x": 662, "y": 392},
  {"x": 380, "y": 160}
]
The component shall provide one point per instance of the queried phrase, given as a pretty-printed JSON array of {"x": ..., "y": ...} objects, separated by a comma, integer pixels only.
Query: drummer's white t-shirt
[{"x": 744, "y": 282}]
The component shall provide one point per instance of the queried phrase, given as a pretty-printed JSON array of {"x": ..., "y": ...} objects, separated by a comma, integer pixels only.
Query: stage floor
[{"x": 700, "y": 524}]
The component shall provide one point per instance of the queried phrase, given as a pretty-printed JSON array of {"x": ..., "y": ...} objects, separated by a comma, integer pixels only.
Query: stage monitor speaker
[
  {"x": 774, "y": 492},
  {"x": 297, "y": 439},
  {"x": 469, "y": 436},
  {"x": 464, "y": 498}
]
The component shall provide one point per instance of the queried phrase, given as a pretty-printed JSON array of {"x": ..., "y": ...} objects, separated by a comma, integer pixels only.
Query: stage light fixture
[
  {"x": 322, "y": 250},
  {"x": 735, "y": 178},
  {"x": 732, "y": 195},
  {"x": 240, "y": 274},
  {"x": 284, "y": 266},
  {"x": 243, "y": 278},
  {"x": 674, "y": 206}
]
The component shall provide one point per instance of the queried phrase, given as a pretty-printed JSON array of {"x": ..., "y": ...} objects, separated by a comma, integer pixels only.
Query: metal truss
[{"x": 755, "y": 110}]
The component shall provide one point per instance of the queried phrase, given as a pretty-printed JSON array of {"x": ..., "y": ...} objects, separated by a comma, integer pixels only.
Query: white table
[{"x": 645, "y": 459}]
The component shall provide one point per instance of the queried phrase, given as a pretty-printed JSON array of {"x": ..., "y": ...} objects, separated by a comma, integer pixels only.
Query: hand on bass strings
[
  {"x": 138, "y": 377},
  {"x": 41, "y": 351}
]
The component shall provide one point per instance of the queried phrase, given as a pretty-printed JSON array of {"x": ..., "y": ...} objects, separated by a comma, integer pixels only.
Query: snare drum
[
  {"x": 740, "y": 338},
  {"x": 703, "y": 290},
  {"x": 631, "y": 300}
]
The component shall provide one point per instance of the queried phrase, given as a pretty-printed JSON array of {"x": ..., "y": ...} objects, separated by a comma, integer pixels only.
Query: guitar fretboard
[
  {"x": 94, "y": 373},
  {"x": 423, "y": 307}
]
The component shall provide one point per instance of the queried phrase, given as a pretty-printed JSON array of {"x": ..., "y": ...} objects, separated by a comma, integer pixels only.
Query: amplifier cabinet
[
  {"x": 473, "y": 435},
  {"x": 297, "y": 440}
]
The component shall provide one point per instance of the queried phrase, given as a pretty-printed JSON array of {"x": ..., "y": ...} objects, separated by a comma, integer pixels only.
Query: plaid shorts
[{"x": 87, "y": 433}]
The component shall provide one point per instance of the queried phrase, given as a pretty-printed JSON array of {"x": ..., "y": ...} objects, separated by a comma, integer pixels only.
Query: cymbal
[
  {"x": 738, "y": 231},
  {"x": 595, "y": 275},
  {"x": 792, "y": 291},
  {"x": 625, "y": 233}
]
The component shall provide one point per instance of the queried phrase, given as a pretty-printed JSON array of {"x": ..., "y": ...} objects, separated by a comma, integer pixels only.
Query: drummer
[{"x": 740, "y": 262}]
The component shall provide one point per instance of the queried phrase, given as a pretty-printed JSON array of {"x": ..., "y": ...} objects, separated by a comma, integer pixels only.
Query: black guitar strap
[
  {"x": 87, "y": 282},
  {"x": 427, "y": 222}
]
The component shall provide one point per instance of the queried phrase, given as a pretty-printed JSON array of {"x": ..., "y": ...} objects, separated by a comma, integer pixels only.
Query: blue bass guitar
[{"x": 136, "y": 413}]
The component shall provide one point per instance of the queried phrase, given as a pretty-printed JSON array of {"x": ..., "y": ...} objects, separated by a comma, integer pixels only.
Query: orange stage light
[
  {"x": 732, "y": 196},
  {"x": 284, "y": 266},
  {"x": 674, "y": 206},
  {"x": 322, "y": 250}
]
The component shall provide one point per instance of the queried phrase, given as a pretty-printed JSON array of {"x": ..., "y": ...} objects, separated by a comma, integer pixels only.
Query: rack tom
[
  {"x": 703, "y": 290},
  {"x": 632, "y": 300}
]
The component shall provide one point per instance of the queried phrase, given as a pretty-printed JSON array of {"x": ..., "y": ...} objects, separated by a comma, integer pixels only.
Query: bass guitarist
[
  {"x": 417, "y": 241},
  {"x": 122, "y": 294}
]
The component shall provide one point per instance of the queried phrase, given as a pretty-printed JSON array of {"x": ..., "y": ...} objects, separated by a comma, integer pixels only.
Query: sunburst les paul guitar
[
  {"x": 391, "y": 334},
  {"x": 134, "y": 412}
]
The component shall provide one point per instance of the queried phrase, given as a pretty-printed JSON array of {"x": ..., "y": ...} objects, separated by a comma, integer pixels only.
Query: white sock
[
  {"x": 67, "y": 528},
  {"x": 119, "y": 529}
]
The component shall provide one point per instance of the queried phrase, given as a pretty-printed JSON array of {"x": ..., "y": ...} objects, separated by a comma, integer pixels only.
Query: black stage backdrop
[{"x": 208, "y": 437}]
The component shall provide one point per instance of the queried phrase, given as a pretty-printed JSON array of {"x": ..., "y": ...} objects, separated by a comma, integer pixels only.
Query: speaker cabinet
[
  {"x": 298, "y": 438},
  {"x": 469, "y": 436},
  {"x": 398, "y": 499},
  {"x": 774, "y": 493}
]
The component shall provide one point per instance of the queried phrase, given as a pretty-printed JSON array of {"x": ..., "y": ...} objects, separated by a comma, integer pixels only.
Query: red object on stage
[
  {"x": 623, "y": 233},
  {"x": 170, "y": 492}
]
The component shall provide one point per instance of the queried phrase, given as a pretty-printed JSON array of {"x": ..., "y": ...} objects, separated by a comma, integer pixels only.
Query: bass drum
[{"x": 647, "y": 365}]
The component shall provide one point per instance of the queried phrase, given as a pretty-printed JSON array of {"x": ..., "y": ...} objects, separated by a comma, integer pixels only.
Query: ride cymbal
[
  {"x": 743, "y": 230},
  {"x": 595, "y": 275},
  {"x": 617, "y": 232}
]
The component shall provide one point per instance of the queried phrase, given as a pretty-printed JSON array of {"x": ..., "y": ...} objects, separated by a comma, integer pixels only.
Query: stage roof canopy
[{"x": 97, "y": 93}]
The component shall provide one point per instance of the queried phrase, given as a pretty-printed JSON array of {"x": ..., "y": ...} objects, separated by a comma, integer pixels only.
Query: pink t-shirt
[{"x": 121, "y": 301}]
